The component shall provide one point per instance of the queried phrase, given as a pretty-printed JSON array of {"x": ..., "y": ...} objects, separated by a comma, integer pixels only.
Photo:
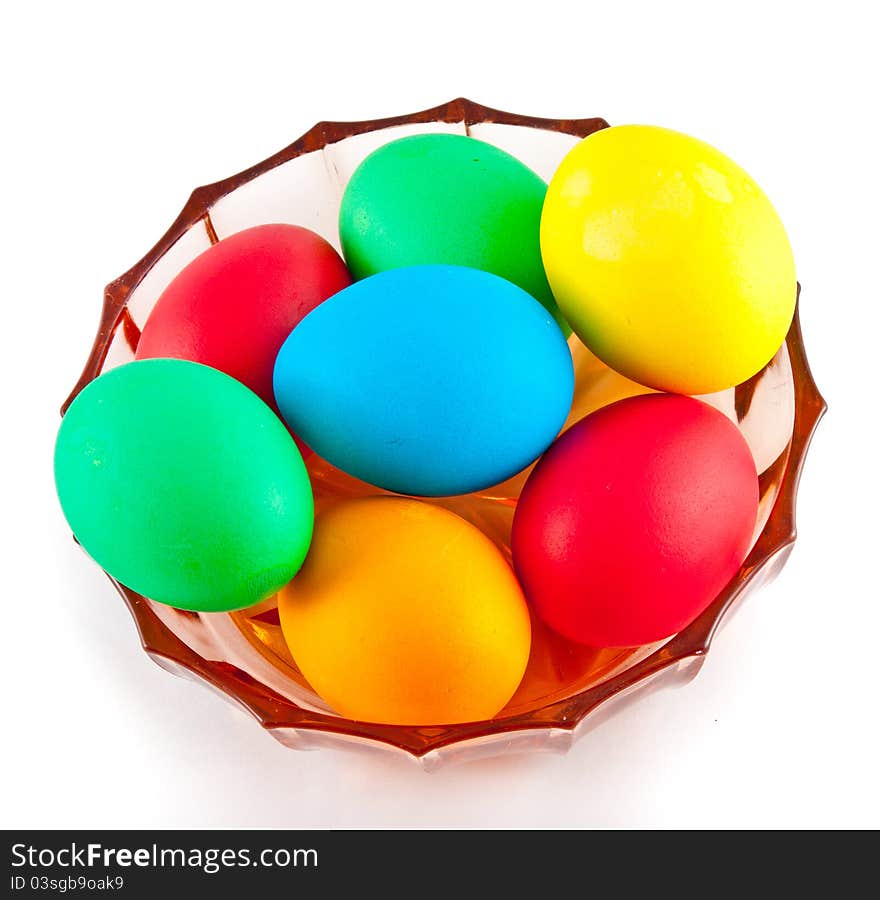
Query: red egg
[
  {"x": 635, "y": 519},
  {"x": 235, "y": 304}
]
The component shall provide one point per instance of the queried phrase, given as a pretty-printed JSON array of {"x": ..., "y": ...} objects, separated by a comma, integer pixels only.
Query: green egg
[
  {"x": 183, "y": 485},
  {"x": 446, "y": 198}
]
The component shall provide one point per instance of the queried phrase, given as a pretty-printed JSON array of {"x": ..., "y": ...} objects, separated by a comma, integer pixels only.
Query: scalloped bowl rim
[{"x": 559, "y": 720}]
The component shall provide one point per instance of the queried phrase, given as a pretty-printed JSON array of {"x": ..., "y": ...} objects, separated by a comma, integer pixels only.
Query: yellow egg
[
  {"x": 406, "y": 614},
  {"x": 667, "y": 259}
]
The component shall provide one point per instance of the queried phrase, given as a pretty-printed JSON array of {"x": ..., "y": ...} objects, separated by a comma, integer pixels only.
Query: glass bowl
[{"x": 567, "y": 688}]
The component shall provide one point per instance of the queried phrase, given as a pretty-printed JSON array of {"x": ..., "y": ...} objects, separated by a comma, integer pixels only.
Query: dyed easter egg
[
  {"x": 667, "y": 259},
  {"x": 233, "y": 306},
  {"x": 183, "y": 485},
  {"x": 635, "y": 519},
  {"x": 595, "y": 386},
  {"x": 446, "y": 198},
  {"x": 429, "y": 380},
  {"x": 404, "y": 613}
]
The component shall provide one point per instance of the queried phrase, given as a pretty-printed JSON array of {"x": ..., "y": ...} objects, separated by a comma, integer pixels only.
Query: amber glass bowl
[{"x": 243, "y": 655}]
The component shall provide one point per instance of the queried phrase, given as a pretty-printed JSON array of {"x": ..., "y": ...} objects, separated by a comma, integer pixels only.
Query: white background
[{"x": 113, "y": 113}]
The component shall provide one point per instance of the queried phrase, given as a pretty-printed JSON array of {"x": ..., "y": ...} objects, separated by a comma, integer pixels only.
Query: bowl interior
[{"x": 305, "y": 188}]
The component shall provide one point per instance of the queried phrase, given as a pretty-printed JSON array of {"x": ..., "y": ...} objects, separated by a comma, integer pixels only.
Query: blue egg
[{"x": 427, "y": 380}]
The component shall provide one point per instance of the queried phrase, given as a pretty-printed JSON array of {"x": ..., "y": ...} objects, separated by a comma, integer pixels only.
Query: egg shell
[
  {"x": 233, "y": 306},
  {"x": 428, "y": 380},
  {"x": 406, "y": 614},
  {"x": 446, "y": 199},
  {"x": 667, "y": 259},
  {"x": 183, "y": 485},
  {"x": 635, "y": 519}
]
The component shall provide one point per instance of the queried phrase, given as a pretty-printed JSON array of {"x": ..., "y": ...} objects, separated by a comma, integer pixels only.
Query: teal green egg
[
  {"x": 446, "y": 199},
  {"x": 184, "y": 485}
]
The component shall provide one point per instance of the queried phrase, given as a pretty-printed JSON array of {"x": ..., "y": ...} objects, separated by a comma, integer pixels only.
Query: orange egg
[
  {"x": 596, "y": 385},
  {"x": 406, "y": 614}
]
